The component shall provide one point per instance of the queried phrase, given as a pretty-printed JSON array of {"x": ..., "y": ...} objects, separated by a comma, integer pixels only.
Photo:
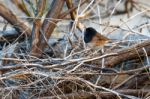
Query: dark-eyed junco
[{"x": 93, "y": 39}]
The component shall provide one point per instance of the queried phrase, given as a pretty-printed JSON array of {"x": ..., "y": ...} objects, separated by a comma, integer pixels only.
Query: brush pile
[{"x": 43, "y": 55}]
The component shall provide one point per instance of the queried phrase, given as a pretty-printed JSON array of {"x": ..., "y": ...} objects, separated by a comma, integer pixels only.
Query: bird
[{"x": 94, "y": 39}]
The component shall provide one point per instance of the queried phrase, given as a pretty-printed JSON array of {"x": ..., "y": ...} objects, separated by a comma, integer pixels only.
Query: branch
[
  {"x": 135, "y": 51},
  {"x": 13, "y": 20},
  {"x": 49, "y": 24},
  {"x": 21, "y": 5},
  {"x": 35, "y": 37}
]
